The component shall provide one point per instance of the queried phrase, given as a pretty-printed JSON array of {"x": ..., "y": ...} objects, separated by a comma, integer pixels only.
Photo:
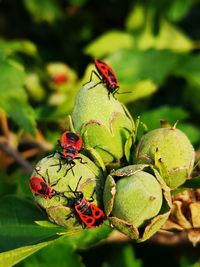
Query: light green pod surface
[
  {"x": 175, "y": 151},
  {"x": 138, "y": 198},
  {"x": 87, "y": 178},
  {"x": 103, "y": 122}
]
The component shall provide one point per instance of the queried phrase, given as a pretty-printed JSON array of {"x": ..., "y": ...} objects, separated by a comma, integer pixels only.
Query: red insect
[
  {"x": 106, "y": 76},
  {"x": 89, "y": 215},
  {"x": 71, "y": 144},
  {"x": 40, "y": 187}
]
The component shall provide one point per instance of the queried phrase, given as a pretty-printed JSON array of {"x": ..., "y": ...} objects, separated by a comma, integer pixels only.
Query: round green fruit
[
  {"x": 87, "y": 178},
  {"x": 136, "y": 201},
  {"x": 138, "y": 198},
  {"x": 170, "y": 150},
  {"x": 103, "y": 122}
]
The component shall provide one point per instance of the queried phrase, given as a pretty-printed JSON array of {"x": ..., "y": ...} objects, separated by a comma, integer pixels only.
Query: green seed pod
[
  {"x": 171, "y": 152},
  {"x": 103, "y": 122},
  {"x": 136, "y": 201},
  {"x": 57, "y": 207}
]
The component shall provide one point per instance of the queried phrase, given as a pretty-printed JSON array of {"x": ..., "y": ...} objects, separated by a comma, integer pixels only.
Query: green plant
[{"x": 153, "y": 47}]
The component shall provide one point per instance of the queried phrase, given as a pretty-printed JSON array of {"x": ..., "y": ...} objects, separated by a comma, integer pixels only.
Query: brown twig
[
  {"x": 31, "y": 152},
  {"x": 4, "y": 125},
  {"x": 26, "y": 166}
]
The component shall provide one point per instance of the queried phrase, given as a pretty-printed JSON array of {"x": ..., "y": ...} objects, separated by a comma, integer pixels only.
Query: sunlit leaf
[
  {"x": 169, "y": 37},
  {"x": 17, "y": 224},
  {"x": 59, "y": 252},
  {"x": 8, "y": 48},
  {"x": 134, "y": 74},
  {"x": 109, "y": 42},
  {"x": 172, "y": 114},
  {"x": 136, "y": 18},
  {"x": 133, "y": 65},
  {"x": 34, "y": 87},
  {"x": 10, "y": 258},
  {"x": 91, "y": 237},
  {"x": 130, "y": 89},
  {"x": 135, "y": 91},
  {"x": 46, "y": 10},
  {"x": 13, "y": 98},
  {"x": 173, "y": 38}
]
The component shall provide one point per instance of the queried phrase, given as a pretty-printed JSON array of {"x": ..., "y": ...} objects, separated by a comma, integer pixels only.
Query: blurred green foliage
[{"x": 45, "y": 47}]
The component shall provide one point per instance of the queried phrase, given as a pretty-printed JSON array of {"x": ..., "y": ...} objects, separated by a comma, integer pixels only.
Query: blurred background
[{"x": 46, "y": 51}]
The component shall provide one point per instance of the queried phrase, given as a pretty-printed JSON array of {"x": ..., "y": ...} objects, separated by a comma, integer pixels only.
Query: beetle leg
[
  {"x": 91, "y": 197},
  {"x": 71, "y": 168},
  {"x": 93, "y": 72},
  {"x": 83, "y": 225},
  {"x": 81, "y": 160},
  {"x": 40, "y": 174},
  {"x": 70, "y": 215}
]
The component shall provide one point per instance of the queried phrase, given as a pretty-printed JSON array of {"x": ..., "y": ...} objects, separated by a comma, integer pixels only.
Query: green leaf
[
  {"x": 6, "y": 187},
  {"x": 132, "y": 92},
  {"x": 178, "y": 9},
  {"x": 90, "y": 237},
  {"x": 192, "y": 89},
  {"x": 10, "y": 258},
  {"x": 8, "y": 48},
  {"x": 18, "y": 227},
  {"x": 49, "y": 113},
  {"x": 188, "y": 68},
  {"x": 23, "y": 114},
  {"x": 192, "y": 131},
  {"x": 34, "y": 87},
  {"x": 192, "y": 183},
  {"x": 189, "y": 260},
  {"x": 163, "y": 40},
  {"x": 134, "y": 74},
  {"x": 180, "y": 41},
  {"x": 56, "y": 253},
  {"x": 46, "y": 224},
  {"x": 132, "y": 65},
  {"x": 143, "y": 20},
  {"x": 127, "y": 148},
  {"x": 46, "y": 10},
  {"x": 109, "y": 42},
  {"x": 23, "y": 231},
  {"x": 13, "y": 98},
  {"x": 12, "y": 77},
  {"x": 63, "y": 248},
  {"x": 123, "y": 255},
  {"x": 77, "y": 2},
  {"x": 136, "y": 18},
  {"x": 152, "y": 117},
  {"x": 129, "y": 258}
]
